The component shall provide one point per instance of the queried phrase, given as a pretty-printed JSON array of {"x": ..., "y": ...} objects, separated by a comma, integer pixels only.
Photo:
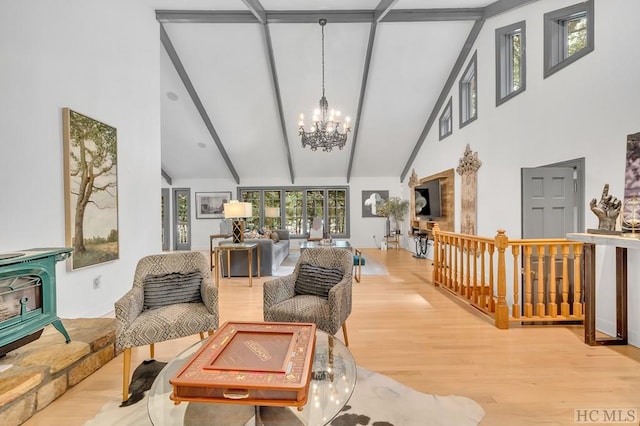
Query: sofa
[{"x": 271, "y": 256}]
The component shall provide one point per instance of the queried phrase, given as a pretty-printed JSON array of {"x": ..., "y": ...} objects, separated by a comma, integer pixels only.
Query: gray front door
[
  {"x": 548, "y": 202},
  {"x": 549, "y": 210},
  {"x": 182, "y": 219}
]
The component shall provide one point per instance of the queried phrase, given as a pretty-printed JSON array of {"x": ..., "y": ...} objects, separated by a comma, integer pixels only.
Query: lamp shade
[
  {"x": 248, "y": 210},
  {"x": 271, "y": 212},
  {"x": 234, "y": 209}
]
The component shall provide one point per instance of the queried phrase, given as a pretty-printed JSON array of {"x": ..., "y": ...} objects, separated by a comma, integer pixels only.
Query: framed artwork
[
  {"x": 371, "y": 200},
  {"x": 210, "y": 205},
  {"x": 90, "y": 189}
]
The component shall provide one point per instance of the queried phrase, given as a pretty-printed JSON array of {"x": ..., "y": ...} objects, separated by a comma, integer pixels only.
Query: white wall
[
  {"x": 362, "y": 229},
  {"x": 585, "y": 110},
  {"x": 102, "y": 60}
]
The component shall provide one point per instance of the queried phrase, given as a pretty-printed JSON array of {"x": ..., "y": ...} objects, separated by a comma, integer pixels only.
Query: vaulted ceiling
[{"x": 236, "y": 74}]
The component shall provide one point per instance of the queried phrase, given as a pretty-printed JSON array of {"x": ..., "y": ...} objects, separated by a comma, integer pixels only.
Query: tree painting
[{"x": 91, "y": 189}]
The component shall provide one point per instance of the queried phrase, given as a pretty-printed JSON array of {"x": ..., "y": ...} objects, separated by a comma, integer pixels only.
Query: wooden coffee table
[{"x": 333, "y": 378}]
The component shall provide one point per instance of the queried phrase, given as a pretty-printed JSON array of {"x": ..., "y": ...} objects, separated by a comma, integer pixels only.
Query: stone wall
[{"x": 43, "y": 370}]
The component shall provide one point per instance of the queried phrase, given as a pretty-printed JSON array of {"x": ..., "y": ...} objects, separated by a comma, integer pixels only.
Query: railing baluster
[
  {"x": 540, "y": 312},
  {"x": 450, "y": 271},
  {"x": 515, "y": 309},
  {"x": 491, "y": 303},
  {"x": 528, "y": 290},
  {"x": 483, "y": 282},
  {"x": 474, "y": 294},
  {"x": 456, "y": 270},
  {"x": 564, "y": 307},
  {"x": 467, "y": 269},
  {"x": 553, "y": 306}
]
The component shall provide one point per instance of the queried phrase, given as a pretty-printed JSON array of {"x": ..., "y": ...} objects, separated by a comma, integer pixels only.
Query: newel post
[
  {"x": 435, "y": 278},
  {"x": 502, "y": 310}
]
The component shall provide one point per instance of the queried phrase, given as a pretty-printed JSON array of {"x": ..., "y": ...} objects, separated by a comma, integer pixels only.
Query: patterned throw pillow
[
  {"x": 252, "y": 235},
  {"x": 275, "y": 237},
  {"x": 316, "y": 280},
  {"x": 169, "y": 289}
]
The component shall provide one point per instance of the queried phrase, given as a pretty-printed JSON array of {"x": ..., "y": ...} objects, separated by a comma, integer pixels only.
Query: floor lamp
[{"x": 237, "y": 211}]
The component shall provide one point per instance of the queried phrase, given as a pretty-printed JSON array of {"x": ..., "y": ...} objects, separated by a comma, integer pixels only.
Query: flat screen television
[{"x": 427, "y": 197}]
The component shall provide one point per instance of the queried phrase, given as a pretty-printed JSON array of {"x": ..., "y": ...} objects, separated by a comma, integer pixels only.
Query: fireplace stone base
[{"x": 43, "y": 370}]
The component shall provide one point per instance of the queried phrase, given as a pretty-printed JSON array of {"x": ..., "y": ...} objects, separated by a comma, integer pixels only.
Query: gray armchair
[
  {"x": 284, "y": 303},
  {"x": 156, "y": 309}
]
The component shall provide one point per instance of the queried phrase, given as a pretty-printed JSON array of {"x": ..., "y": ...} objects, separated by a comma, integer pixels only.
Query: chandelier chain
[{"x": 322, "y": 26}]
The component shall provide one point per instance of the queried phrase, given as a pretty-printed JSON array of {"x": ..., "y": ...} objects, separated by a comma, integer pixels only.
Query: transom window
[
  {"x": 446, "y": 121},
  {"x": 301, "y": 205},
  {"x": 568, "y": 36},
  {"x": 510, "y": 61},
  {"x": 469, "y": 92}
]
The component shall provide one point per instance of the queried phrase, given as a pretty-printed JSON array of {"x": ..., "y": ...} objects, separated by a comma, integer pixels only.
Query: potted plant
[{"x": 394, "y": 208}]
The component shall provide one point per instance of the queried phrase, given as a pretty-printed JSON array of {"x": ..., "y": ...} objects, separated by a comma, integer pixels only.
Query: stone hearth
[{"x": 43, "y": 370}]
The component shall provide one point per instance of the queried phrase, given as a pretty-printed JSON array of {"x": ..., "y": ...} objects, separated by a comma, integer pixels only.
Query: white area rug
[
  {"x": 376, "y": 400},
  {"x": 371, "y": 266}
]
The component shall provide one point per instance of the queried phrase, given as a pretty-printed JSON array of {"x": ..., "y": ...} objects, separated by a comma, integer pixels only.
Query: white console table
[{"x": 621, "y": 244}]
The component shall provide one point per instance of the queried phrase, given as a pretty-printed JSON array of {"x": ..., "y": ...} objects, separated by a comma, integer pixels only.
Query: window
[
  {"x": 272, "y": 199},
  {"x": 568, "y": 36},
  {"x": 337, "y": 212},
  {"x": 254, "y": 198},
  {"x": 510, "y": 61},
  {"x": 446, "y": 121},
  {"x": 301, "y": 205},
  {"x": 469, "y": 92}
]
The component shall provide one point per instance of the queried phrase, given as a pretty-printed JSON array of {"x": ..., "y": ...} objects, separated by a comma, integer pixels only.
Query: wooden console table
[{"x": 621, "y": 244}]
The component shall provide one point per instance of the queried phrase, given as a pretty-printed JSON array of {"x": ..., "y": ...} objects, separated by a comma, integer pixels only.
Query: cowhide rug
[{"x": 376, "y": 401}]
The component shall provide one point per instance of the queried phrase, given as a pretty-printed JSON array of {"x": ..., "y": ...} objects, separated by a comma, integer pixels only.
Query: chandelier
[{"x": 325, "y": 131}]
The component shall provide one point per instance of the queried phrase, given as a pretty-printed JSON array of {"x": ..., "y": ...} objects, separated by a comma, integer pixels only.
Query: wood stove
[{"x": 28, "y": 295}]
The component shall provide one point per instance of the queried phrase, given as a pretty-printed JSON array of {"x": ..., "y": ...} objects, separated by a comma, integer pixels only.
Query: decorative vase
[{"x": 387, "y": 229}]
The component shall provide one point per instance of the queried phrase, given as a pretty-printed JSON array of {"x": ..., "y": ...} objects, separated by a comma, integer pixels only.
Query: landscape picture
[
  {"x": 210, "y": 205},
  {"x": 91, "y": 189}
]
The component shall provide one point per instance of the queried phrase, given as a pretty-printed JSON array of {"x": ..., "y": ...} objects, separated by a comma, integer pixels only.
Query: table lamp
[
  {"x": 237, "y": 211},
  {"x": 272, "y": 212}
]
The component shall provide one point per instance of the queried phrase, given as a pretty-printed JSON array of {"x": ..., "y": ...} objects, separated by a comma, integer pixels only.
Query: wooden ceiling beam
[
  {"x": 363, "y": 90},
  {"x": 276, "y": 88},
  {"x": 166, "y": 176},
  {"x": 381, "y": 10},
  {"x": 258, "y": 11},
  {"x": 257, "y": 15}
]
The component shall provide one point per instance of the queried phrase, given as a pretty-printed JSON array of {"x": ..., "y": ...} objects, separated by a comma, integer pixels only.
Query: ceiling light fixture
[{"x": 325, "y": 131}]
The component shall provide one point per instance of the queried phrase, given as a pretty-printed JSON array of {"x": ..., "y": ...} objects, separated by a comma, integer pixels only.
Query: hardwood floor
[{"x": 420, "y": 335}]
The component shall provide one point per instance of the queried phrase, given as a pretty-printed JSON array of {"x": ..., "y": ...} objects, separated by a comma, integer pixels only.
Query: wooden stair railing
[{"x": 476, "y": 269}]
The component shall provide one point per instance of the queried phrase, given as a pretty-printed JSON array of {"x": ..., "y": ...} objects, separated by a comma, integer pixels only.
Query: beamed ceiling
[{"x": 236, "y": 74}]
